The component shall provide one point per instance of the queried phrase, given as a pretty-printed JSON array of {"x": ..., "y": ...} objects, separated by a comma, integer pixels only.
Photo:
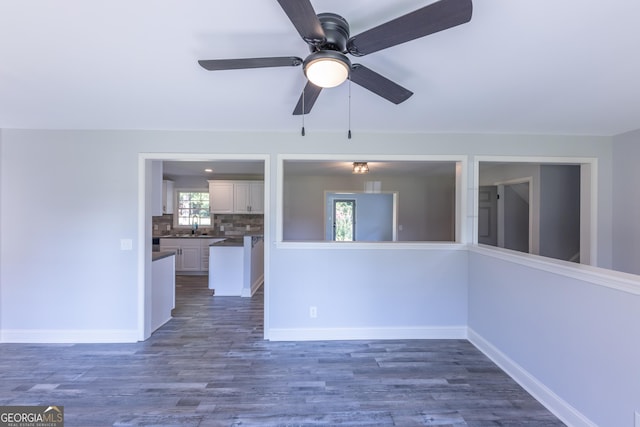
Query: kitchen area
[{"x": 207, "y": 220}]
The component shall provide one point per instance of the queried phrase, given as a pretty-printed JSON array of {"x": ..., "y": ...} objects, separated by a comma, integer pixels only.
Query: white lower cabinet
[
  {"x": 188, "y": 253},
  {"x": 191, "y": 256}
]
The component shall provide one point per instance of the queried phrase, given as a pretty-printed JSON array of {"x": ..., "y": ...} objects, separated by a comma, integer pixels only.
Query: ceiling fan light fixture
[{"x": 327, "y": 68}]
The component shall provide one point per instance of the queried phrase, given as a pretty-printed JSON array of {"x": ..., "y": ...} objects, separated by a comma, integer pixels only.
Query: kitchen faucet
[{"x": 195, "y": 219}]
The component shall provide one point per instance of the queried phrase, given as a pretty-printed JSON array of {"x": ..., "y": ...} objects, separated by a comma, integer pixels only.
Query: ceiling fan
[{"x": 327, "y": 35}]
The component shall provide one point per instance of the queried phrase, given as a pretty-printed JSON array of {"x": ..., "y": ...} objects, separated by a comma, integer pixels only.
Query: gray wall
[
  {"x": 84, "y": 287},
  {"x": 626, "y": 202},
  {"x": 426, "y": 206},
  {"x": 559, "y": 211},
  {"x": 571, "y": 339}
]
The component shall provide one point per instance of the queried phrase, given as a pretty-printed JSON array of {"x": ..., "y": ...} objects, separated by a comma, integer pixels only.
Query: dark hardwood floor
[{"x": 209, "y": 366}]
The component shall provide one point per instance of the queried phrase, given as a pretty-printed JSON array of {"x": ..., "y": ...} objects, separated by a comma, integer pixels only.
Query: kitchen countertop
[
  {"x": 155, "y": 256},
  {"x": 230, "y": 241},
  {"x": 192, "y": 236},
  {"x": 208, "y": 236}
]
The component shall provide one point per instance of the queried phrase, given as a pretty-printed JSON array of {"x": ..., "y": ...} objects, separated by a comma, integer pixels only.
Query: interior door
[{"x": 488, "y": 215}]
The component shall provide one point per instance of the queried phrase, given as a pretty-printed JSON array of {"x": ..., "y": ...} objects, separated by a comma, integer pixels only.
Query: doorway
[
  {"x": 373, "y": 220},
  {"x": 504, "y": 215},
  {"x": 514, "y": 217},
  {"x": 145, "y": 232},
  {"x": 344, "y": 220}
]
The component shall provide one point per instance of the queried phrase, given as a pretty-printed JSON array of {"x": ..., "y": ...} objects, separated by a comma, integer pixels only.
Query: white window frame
[{"x": 176, "y": 198}]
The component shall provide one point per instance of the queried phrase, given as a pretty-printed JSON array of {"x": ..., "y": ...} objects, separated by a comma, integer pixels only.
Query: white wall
[
  {"x": 68, "y": 197},
  {"x": 1, "y": 179},
  {"x": 626, "y": 202},
  {"x": 569, "y": 334}
]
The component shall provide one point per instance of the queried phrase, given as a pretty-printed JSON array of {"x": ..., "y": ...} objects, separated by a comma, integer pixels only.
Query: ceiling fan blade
[
  {"x": 304, "y": 18},
  {"x": 378, "y": 84},
  {"x": 308, "y": 98},
  {"x": 430, "y": 19},
  {"x": 236, "y": 64}
]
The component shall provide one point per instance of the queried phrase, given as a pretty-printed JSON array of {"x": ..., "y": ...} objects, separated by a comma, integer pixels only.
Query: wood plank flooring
[{"x": 209, "y": 366}]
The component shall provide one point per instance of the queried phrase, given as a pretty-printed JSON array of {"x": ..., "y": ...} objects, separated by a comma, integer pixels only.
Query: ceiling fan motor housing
[{"x": 336, "y": 30}]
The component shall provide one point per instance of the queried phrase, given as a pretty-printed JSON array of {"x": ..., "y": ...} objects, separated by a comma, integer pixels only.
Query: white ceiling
[
  {"x": 519, "y": 66},
  {"x": 218, "y": 167}
]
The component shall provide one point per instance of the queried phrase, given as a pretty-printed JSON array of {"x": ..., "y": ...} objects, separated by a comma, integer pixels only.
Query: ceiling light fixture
[
  {"x": 360, "y": 167},
  {"x": 208, "y": 170},
  {"x": 327, "y": 68}
]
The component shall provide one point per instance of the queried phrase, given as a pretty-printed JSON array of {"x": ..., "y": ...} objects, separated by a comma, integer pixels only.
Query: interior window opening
[
  {"x": 534, "y": 208},
  {"x": 372, "y": 201}
]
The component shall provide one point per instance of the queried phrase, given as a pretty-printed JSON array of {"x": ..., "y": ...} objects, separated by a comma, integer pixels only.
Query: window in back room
[{"x": 193, "y": 208}]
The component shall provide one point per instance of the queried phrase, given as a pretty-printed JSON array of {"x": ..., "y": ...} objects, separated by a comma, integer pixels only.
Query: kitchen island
[{"x": 236, "y": 265}]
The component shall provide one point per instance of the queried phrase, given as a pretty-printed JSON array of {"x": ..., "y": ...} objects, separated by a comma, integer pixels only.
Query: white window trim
[{"x": 588, "y": 197}]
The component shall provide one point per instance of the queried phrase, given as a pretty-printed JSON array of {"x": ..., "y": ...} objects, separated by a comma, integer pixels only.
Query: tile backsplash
[{"x": 233, "y": 224}]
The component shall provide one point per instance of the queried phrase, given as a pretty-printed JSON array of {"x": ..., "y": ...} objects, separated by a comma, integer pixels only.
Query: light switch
[{"x": 126, "y": 244}]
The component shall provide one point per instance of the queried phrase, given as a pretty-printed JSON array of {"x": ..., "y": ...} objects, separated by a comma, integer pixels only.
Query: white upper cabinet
[
  {"x": 167, "y": 197},
  {"x": 256, "y": 196},
  {"x": 236, "y": 196},
  {"x": 241, "y": 196},
  {"x": 221, "y": 197}
]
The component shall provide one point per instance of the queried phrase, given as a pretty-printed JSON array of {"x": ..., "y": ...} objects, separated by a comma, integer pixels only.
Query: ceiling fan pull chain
[
  {"x": 349, "y": 133},
  {"x": 302, "y": 113}
]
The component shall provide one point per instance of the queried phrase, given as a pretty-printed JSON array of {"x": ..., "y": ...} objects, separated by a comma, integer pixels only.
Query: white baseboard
[
  {"x": 554, "y": 403},
  {"x": 329, "y": 334},
  {"x": 254, "y": 287},
  {"x": 61, "y": 336}
]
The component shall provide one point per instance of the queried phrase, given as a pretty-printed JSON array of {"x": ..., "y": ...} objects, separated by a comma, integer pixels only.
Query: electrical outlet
[
  {"x": 248, "y": 227},
  {"x": 155, "y": 227},
  {"x": 168, "y": 227},
  {"x": 313, "y": 312},
  {"x": 222, "y": 228}
]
